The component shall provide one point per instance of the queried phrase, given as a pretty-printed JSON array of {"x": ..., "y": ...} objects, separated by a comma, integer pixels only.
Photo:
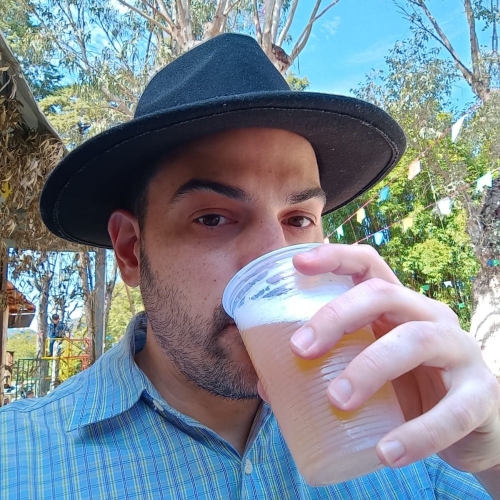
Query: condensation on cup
[{"x": 269, "y": 300}]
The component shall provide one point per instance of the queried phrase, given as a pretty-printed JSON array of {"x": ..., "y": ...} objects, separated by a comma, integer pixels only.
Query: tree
[
  {"x": 126, "y": 302},
  {"x": 482, "y": 73},
  {"x": 111, "y": 53},
  {"x": 24, "y": 344},
  {"x": 107, "y": 52},
  {"x": 36, "y": 60},
  {"x": 437, "y": 255}
]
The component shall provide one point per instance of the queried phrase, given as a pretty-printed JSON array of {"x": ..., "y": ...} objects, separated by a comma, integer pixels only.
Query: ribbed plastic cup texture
[{"x": 269, "y": 300}]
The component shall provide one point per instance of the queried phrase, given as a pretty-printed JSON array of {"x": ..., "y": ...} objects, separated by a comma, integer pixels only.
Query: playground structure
[{"x": 72, "y": 355}]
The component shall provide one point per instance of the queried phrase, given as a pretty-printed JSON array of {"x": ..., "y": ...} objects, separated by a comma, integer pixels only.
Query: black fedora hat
[{"x": 224, "y": 83}]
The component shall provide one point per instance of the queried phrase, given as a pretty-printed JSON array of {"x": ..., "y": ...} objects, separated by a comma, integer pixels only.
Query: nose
[{"x": 266, "y": 236}]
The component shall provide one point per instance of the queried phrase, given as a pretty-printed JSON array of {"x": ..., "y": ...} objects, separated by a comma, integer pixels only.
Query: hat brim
[{"x": 356, "y": 145}]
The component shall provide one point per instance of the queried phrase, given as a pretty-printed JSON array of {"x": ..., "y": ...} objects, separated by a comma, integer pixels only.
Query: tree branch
[
  {"x": 474, "y": 44},
  {"x": 276, "y": 20},
  {"x": 184, "y": 22},
  {"x": 145, "y": 16},
  {"x": 288, "y": 23},
  {"x": 443, "y": 39},
  {"x": 266, "y": 31},
  {"x": 256, "y": 21},
  {"x": 162, "y": 10},
  {"x": 219, "y": 20},
  {"x": 304, "y": 36}
]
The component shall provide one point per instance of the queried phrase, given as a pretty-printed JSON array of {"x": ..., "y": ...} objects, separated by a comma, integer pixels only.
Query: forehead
[{"x": 243, "y": 156}]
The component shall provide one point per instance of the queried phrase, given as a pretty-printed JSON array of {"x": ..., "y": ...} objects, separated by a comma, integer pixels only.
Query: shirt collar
[{"x": 114, "y": 383}]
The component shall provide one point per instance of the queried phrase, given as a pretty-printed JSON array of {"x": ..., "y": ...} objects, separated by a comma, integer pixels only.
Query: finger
[
  {"x": 453, "y": 418},
  {"x": 396, "y": 353},
  {"x": 361, "y": 262},
  {"x": 369, "y": 301}
]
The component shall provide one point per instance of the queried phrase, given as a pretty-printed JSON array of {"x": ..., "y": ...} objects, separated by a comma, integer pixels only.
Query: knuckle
[
  {"x": 378, "y": 285},
  {"x": 373, "y": 359},
  {"x": 423, "y": 335},
  {"x": 332, "y": 312},
  {"x": 464, "y": 418},
  {"x": 446, "y": 313},
  {"x": 369, "y": 251},
  {"x": 432, "y": 434}
]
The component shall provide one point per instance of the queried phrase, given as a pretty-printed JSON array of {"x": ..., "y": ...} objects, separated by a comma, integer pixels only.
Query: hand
[{"x": 450, "y": 399}]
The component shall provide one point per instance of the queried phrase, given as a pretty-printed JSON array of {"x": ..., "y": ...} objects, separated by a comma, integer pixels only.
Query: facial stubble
[{"x": 192, "y": 343}]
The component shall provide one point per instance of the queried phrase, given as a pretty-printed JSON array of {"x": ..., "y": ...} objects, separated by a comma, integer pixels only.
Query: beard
[{"x": 191, "y": 342}]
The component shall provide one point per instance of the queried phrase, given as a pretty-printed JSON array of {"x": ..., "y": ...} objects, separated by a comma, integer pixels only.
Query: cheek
[{"x": 201, "y": 275}]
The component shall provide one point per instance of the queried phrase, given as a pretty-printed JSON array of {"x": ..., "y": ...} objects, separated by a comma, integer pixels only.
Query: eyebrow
[
  {"x": 239, "y": 194},
  {"x": 216, "y": 187},
  {"x": 307, "y": 194}
]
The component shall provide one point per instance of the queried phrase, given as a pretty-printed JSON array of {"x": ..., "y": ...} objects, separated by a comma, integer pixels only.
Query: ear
[{"x": 124, "y": 231}]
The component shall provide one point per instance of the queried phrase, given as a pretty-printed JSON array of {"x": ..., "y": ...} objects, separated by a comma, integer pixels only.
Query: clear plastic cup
[{"x": 269, "y": 300}]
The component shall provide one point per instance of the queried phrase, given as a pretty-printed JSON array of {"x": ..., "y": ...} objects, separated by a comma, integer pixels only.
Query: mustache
[{"x": 221, "y": 320}]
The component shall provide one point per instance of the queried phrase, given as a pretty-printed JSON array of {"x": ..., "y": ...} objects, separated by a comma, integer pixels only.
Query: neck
[{"x": 232, "y": 420}]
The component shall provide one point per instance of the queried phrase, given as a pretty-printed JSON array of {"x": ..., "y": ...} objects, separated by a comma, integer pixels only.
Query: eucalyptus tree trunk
[{"x": 484, "y": 228}]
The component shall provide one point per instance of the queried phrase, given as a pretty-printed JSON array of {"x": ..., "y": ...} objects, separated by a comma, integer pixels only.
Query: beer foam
[{"x": 297, "y": 308}]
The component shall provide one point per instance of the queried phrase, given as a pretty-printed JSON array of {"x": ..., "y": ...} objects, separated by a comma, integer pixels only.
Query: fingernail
[
  {"x": 341, "y": 390},
  {"x": 303, "y": 339},
  {"x": 392, "y": 451}
]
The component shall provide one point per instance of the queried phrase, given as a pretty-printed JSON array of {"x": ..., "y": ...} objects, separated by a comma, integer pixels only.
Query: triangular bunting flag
[
  {"x": 384, "y": 193},
  {"x": 407, "y": 222},
  {"x": 340, "y": 231},
  {"x": 326, "y": 240},
  {"x": 379, "y": 237},
  {"x": 414, "y": 169},
  {"x": 484, "y": 181},
  {"x": 444, "y": 206},
  {"x": 425, "y": 288},
  {"x": 456, "y": 127},
  {"x": 447, "y": 284},
  {"x": 360, "y": 215}
]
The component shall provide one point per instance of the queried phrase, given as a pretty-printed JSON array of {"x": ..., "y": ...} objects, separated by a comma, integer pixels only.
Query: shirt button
[
  {"x": 157, "y": 406},
  {"x": 248, "y": 467}
]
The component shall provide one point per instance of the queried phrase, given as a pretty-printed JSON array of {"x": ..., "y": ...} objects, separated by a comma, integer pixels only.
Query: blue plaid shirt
[{"x": 107, "y": 434}]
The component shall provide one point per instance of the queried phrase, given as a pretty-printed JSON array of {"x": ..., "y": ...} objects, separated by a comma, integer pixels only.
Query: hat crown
[{"x": 227, "y": 65}]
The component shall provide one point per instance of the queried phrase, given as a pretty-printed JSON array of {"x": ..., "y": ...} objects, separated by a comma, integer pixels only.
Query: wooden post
[
  {"x": 100, "y": 295},
  {"x": 4, "y": 321}
]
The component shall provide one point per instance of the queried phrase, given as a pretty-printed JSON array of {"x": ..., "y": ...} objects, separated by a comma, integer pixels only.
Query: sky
[{"x": 355, "y": 36}]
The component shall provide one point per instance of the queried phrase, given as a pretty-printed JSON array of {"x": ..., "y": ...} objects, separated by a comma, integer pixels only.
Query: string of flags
[
  {"x": 443, "y": 207},
  {"x": 415, "y": 167}
]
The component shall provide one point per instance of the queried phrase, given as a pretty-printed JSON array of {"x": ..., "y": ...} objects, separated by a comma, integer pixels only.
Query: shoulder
[{"x": 51, "y": 411}]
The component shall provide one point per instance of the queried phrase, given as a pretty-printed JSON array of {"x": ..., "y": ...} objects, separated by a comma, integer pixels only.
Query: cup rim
[{"x": 285, "y": 251}]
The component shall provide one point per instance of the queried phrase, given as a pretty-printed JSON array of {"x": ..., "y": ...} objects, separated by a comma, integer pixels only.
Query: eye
[
  {"x": 299, "y": 221},
  {"x": 212, "y": 220}
]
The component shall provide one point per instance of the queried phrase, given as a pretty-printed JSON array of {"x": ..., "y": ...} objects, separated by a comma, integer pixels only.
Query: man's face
[
  {"x": 55, "y": 320},
  {"x": 215, "y": 206}
]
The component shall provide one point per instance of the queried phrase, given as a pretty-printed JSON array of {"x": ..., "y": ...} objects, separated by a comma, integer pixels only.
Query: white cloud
[{"x": 330, "y": 27}]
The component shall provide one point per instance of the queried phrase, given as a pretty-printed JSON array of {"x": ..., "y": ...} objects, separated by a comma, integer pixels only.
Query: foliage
[
  {"x": 123, "y": 307},
  {"x": 24, "y": 344},
  {"x": 437, "y": 249},
  {"x": 35, "y": 57},
  {"x": 297, "y": 83}
]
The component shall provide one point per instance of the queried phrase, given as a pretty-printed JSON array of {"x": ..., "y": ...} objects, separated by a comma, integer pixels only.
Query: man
[
  {"x": 222, "y": 164},
  {"x": 55, "y": 332}
]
